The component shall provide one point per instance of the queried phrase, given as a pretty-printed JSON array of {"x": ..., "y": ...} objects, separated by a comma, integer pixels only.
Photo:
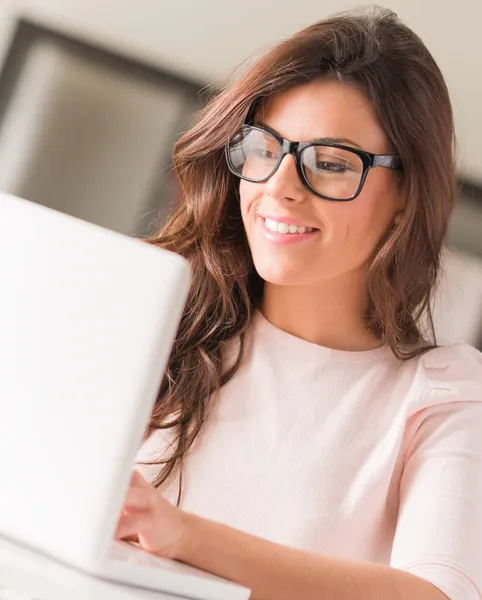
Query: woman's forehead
[{"x": 324, "y": 108}]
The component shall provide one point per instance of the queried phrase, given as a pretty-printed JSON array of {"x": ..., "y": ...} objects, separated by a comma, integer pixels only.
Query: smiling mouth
[{"x": 286, "y": 228}]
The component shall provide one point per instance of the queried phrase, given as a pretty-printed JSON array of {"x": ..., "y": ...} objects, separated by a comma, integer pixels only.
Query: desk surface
[{"x": 27, "y": 576}]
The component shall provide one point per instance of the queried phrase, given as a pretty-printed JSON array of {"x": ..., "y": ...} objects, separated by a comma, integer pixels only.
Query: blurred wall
[
  {"x": 89, "y": 135},
  {"x": 457, "y": 310}
]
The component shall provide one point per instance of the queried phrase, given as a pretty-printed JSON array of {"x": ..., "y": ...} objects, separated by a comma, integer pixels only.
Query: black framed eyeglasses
[{"x": 329, "y": 170}]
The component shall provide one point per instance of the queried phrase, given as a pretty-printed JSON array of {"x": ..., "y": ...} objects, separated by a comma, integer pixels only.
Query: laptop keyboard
[
  {"x": 132, "y": 554},
  {"x": 127, "y": 552}
]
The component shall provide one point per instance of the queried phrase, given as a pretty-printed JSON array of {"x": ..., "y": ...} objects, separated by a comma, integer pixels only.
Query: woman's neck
[{"x": 330, "y": 314}]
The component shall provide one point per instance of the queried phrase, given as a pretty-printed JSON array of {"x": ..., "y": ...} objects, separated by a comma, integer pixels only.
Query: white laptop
[{"x": 87, "y": 322}]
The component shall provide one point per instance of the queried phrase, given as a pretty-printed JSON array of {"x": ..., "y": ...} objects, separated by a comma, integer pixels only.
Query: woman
[{"x": 325, "y": 448}]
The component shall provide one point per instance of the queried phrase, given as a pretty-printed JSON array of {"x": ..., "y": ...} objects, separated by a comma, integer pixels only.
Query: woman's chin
[{"x": 283, "y": 275}]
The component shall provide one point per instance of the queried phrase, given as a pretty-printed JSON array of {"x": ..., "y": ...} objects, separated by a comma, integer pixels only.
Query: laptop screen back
[{"x": 87, "y": 321}]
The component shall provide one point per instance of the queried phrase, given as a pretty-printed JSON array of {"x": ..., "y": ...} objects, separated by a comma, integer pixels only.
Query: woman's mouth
[
  {"x": 286, "y": 228},
  {"x": 283, "y": 232}
]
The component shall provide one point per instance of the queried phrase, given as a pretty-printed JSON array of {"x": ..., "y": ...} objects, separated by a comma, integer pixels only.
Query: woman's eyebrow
[{"x": 323, "y": 140}]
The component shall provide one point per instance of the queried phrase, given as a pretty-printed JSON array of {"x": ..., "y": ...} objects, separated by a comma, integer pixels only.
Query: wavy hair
[{"x": 388, "y": 62}]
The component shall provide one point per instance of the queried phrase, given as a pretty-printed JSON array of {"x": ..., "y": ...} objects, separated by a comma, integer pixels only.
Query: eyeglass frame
[{"x": 369, "y": 160}]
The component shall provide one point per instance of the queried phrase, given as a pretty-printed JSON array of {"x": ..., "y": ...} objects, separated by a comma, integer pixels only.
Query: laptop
[{"x": 87, "y": 321}]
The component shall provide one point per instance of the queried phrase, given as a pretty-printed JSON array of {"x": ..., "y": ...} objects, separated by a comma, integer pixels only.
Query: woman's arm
[
  {"x": 271, "y": 571},
  {"x": 276, "y": 572}
]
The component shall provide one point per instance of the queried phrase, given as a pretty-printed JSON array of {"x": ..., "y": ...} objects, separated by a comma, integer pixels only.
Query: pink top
[{"x": 348, "y": 454}]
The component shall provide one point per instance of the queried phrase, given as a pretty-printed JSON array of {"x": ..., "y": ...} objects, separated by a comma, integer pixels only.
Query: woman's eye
[
  {"x": 332, "y": 167},
  {"x": 263, "y": 153}
]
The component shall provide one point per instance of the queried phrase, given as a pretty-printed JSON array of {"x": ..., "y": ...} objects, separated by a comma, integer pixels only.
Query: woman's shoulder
[{"x": 449, "y": 374}]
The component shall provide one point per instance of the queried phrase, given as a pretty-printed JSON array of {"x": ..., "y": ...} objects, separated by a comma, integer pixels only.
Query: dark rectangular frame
[{"x": 29, "y": 32}]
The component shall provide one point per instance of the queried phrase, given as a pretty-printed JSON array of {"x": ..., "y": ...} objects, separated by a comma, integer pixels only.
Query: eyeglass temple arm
[{"x": 390, "y": 161}]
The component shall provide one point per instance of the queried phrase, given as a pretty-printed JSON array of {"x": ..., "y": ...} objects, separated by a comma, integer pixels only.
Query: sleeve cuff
[{"x": 450, "y": 580}]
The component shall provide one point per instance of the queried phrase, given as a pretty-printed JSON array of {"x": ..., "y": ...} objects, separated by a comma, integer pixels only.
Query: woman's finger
[
  {"x": 138, "y": 480},
  {"x": 131, "y": 538},
  {"x": 131, "y": 525},
  {"x": 138, "y": 498}
]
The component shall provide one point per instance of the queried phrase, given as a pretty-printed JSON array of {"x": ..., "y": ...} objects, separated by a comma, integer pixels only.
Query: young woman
[{"x": 324, "y": 445}]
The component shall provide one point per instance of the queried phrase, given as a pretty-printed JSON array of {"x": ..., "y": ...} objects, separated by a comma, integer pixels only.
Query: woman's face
[{"x": 346, "y": 233}]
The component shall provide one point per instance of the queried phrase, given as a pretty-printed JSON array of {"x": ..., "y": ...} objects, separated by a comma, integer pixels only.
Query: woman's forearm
[{"x": 276, "y": 572}]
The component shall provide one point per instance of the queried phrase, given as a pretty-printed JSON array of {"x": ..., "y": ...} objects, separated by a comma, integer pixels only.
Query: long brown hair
[{"x": 389, "y": 63}]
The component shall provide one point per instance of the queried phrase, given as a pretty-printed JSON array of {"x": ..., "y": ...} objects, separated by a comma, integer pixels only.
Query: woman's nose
[{"x": 285, "y": 183}]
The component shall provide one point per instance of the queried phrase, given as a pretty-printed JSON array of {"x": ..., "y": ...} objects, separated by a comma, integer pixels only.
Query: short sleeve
[{"x": 439, "y": 528}]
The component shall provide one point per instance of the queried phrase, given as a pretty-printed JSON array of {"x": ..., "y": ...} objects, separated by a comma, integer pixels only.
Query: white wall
[
  {"x": 207, "y": 39},
  {"x": 458, "y": 301}
]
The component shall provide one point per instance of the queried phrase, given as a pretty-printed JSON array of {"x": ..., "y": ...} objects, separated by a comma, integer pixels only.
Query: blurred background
[{"x": 93, "y": 94}]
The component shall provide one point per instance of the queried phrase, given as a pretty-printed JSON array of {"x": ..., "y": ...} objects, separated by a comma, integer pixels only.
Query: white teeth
[{"x": 285, "y": 227}]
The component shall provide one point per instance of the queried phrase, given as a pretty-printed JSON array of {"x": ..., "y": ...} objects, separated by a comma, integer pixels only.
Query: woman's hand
[{"x": 150, "y": 520}]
